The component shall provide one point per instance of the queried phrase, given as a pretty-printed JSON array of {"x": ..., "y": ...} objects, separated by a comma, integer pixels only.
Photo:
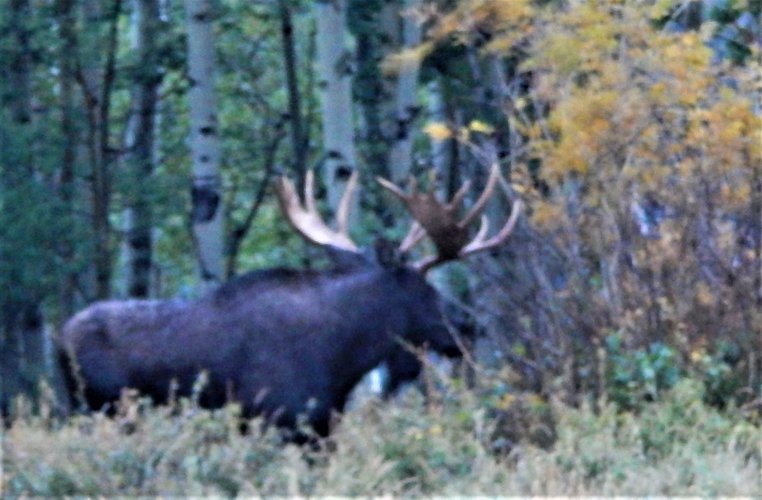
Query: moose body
[{"x": 281, "y": 342}]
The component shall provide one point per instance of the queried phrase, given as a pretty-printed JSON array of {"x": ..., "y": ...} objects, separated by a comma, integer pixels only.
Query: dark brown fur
[{"x": 282, "y": 342}]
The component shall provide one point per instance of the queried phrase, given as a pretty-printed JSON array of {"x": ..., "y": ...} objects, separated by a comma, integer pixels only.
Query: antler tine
[
  {"x": 287, "y": 198},
  {"x": 342, "y": 214},
  {"x": 483, "y": 230},
  {"x": 305, "y": 219},
  {"x": 391, "y": 187},
  {"x": 309, "y": 192},
  {"x": 426, "y": 263},
  {"x": 432, "y": 178},
  {"x": 481, "y": 203},
  {"x": 413, "y": 183},
  {"x": 478, "y": 245},
  {"x": 413, "y": 237},
  {"x": 458, "y": 197}
]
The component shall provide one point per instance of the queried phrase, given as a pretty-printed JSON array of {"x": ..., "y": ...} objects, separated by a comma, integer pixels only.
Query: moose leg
[{"x": 403, "y": 366}]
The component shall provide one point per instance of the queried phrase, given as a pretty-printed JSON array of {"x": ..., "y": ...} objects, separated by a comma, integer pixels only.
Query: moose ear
[{"x": 388, "y": 253}]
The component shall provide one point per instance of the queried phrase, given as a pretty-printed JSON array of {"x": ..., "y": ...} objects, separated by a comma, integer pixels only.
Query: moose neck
[{"x": 373, "y": 318}]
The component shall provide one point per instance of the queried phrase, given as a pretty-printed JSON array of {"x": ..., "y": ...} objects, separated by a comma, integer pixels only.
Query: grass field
[{"x": 459, "y": 443}]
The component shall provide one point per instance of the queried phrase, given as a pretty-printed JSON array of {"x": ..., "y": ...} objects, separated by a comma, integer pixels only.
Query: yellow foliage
[
  {"x": 506, "y": 401},
  {"x": 437, "y": 131},
  {"x": 660, "y": 8},
  {"x": 508, "y": 22},
  {"x": 698, "y": 355},
  {"x": 658, "y": 91},
  {"x": 406, "y": 60},
  {"x": 481, "y": 127},
  {"x": 521, "y": 188},
  {"x": 704, "y": 295},
  {"x": 628, "y": 100},
  {"x": 649, "y": 151},
  {"x": 521, "y": 181},
  {"x": 547, "y": 215},
  {"x": 623, "y": 116}
]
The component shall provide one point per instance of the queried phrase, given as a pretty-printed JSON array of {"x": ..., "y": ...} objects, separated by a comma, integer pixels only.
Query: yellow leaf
[
  {"x": 661, "y": 9},
  {"x": 520, "y": 188},
  {"x": 406, "y": 60},
  {"x": 506, "y": 401},
  {"x": 547, "y": 215},
  {"x": 479, "y": 126},
  {"x": 697, "y": 355},
  {"x": 437, "y": 131},
  {"x": 704, "y": 295}
]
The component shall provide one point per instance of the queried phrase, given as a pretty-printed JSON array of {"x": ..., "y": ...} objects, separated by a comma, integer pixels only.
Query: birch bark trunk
[
  {"x": 334, "y": 63},
  {"x": 207, "y": 210},
  {"x": 407, "y": 107}
]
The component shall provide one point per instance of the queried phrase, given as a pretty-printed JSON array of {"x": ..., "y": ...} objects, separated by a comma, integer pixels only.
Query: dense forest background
[{"x": 139, "y": 139}]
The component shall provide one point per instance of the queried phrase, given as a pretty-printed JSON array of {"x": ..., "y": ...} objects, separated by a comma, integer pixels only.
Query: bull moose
[{"x": 282, "y": 342}]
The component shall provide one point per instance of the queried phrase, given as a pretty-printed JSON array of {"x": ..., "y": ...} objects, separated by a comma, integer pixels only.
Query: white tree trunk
[
  {"x": 207, "y": 211},
  {"x": 335, "y": 84},
  {"x": 139, "y": 146},
  {"x": 407, "y": 107},
  {"x": 440, "y": 149}
]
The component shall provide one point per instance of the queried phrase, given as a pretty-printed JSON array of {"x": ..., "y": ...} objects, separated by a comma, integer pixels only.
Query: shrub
[
  {"x": 445, "y": 445},
  {"x": 634, "y": 377}
]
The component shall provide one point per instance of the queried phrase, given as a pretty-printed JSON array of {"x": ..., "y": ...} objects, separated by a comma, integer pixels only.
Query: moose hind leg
[{"x": 103, "y": 379}]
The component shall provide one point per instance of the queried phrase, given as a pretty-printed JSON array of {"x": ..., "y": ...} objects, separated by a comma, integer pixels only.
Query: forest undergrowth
[{"x": 458, "y": 441}]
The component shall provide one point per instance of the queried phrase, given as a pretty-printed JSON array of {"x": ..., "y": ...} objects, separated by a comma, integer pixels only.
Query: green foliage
[
  {"x": 723, "y": 382},
  {"x": 636, "y": 376},
  {"x": 738, "y": 28},
  {"x": 668, "y": 436}
]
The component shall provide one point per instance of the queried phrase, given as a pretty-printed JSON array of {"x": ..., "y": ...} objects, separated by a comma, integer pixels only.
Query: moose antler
[
  {"x": 306, "y": 219},
  {"x": 440, "y": 221}
]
